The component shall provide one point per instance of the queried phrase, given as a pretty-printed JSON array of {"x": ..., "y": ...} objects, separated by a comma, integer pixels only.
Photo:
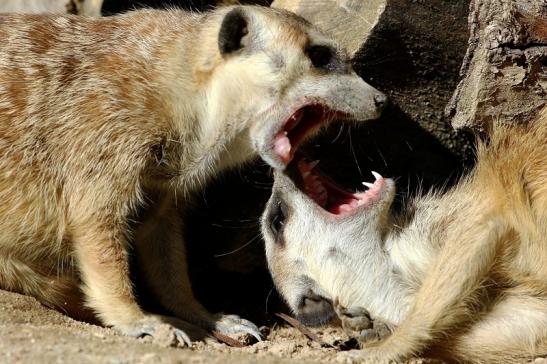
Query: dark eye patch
[
  {"x": 277, "y": 219},
  {"x": 277, "y": 222},
  {"x": 325, "y": 58},
  {"x": 320, "y": 56}
]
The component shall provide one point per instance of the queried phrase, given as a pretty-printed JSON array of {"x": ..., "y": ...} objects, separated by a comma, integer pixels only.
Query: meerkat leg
[
  {"x": 102, "y": 259},
  {"x": 161, "y": 256},
  {"x": 462, "y": 264},
  {"x": 518, "y": 321}
]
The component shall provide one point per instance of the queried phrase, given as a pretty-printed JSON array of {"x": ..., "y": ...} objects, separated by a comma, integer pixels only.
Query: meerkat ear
[{"x": 232, "y": 32}]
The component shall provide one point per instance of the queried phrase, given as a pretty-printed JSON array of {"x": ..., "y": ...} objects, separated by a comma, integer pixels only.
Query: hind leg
[
  {"x": 439, "y": 302},
  {"x": 513, "y": 331},
  {"x": 59, "y": 290},
  {"x": 161, "y": 257}
]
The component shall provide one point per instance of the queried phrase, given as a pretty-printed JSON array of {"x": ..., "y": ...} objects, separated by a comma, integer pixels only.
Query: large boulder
[{"x": 505, "y": 68}]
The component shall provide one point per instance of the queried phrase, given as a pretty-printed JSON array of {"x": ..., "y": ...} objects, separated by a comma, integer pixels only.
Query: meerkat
[
  {"x": 460, "y": 276},
  {"x": 108, "y": 125}
]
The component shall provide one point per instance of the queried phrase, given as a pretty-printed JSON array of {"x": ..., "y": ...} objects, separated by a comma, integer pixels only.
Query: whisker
[
  {"x": 268, "y": 298},
  {"x": 338, "y": 135},
  {"x": 354, "y": 156},
  {"x": 238, "y": 249}
]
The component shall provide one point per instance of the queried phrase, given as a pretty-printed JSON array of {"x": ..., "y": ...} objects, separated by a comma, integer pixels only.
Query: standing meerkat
[
  {"x": 108, "y": 124},
  {"x": 461, "y": 276}
]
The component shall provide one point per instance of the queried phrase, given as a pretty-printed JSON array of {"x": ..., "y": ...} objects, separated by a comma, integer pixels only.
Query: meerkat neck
[
  {"x": 197, "y": 131},
  {"x": 421, "y": 233}
]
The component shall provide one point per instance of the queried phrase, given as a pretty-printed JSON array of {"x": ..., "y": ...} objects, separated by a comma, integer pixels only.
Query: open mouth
[
  {"x": 302, "y": 123},
  {"x": 332, "y": 197}
]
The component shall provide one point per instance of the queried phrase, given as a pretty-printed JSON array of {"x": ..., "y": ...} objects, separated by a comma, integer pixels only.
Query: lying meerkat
[
  {"x": 462, "y": 275},
  {"x": 108, "y": 124}
]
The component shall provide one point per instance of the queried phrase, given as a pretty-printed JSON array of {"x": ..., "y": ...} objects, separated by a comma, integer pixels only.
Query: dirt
[{"x": 32, "y": 333}]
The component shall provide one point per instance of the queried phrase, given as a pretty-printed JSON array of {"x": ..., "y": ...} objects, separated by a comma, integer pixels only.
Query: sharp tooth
[
  {"x": 368, "y": 184},
  {"x": 285, "y": 133},
  {"x": 313, "y": 164},
  {"x": 376, "y": 175},
  {"x": 305, "y": 174}
]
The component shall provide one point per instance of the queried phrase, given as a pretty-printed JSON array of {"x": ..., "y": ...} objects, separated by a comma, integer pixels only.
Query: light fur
[
  {"x": 108, "y": 125},
  {"x": 461, "y": 275}
]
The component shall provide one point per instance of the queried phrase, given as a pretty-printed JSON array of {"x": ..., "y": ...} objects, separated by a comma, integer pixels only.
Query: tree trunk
[{"x": 505, "y": 69}]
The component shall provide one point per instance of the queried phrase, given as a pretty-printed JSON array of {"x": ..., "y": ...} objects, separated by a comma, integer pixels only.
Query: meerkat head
[
  {"x": 322, "y": 242},
  {"x": 277, "y": 79}
]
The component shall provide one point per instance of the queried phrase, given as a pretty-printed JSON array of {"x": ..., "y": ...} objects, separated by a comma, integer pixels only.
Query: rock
[
  {"x": 505, "y": 68},
  {"x": 349, "y": 21}
]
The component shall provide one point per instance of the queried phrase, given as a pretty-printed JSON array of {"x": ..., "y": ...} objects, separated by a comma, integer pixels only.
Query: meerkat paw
[
  {"x": 357, "y": 323},
  {"x": 235, "y": 325},
  {"x": 164, "y": 330},
  {"x": 379, "y": 332}
]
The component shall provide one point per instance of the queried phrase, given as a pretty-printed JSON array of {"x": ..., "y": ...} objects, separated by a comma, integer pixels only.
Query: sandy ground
[{"x": 32, "y": 333}]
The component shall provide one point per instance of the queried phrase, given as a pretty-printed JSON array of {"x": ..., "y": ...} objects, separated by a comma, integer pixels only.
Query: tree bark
[{"x": 505, "y": 68}]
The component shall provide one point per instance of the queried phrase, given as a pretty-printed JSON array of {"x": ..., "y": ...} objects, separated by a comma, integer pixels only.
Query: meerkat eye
[
  {"x": 320, "y": 56},
  {"x": 277, "y": 220}
]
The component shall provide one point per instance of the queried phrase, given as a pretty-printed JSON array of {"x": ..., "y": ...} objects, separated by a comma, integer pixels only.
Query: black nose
[
  {"x": 315, "y": 310},
  {"x": 380, "y": 100}
]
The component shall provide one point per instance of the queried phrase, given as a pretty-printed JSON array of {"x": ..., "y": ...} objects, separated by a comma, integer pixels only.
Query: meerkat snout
[{"x": 284, "y": 80}]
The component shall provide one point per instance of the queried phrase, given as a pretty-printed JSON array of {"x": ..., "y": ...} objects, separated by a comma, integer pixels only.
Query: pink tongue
[{"x": 282, "y": 147}]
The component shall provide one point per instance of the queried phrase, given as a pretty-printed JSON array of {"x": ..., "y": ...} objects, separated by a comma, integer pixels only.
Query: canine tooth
[
  {"x": 368, "y": 184},
  {"x": 285, "y": 133},
  {"x": 376, "y": 175}
]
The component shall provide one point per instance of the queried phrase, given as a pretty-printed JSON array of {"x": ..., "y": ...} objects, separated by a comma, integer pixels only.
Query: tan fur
[
  {"x": 464, "y": 277},
  {"x": 107, "y": 124}
]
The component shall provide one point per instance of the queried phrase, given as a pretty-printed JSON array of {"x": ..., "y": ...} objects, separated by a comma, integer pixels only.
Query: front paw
[
  {"x": 358, "y": 323},
  {"x": 235, "y": 325},
  {"x": 379, "y": 332},
  {"x": 164, "y": 330}
]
